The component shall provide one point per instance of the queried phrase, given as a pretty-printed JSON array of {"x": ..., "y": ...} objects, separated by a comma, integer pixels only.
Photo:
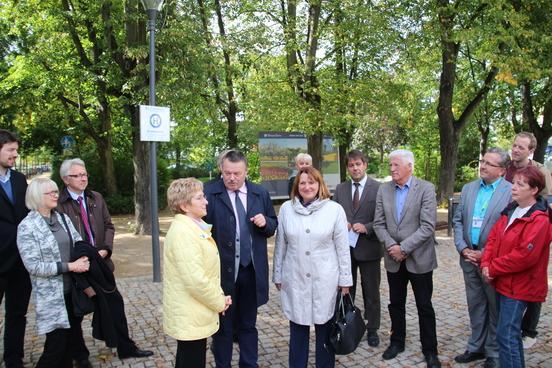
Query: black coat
[
  {"x": 220, "y": 214},
  {"x": 10, "y": 217},
  {"x": 108, "y": 302}
]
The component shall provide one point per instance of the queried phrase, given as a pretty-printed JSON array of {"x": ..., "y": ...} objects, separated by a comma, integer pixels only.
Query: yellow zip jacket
[{"x": 192, "y": 296}]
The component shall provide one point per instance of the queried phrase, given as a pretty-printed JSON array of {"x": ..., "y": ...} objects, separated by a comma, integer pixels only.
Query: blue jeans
[{"x": 508, "y": 331}]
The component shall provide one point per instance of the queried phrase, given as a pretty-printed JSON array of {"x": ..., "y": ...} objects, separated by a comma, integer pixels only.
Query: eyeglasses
[
  {"x": 487, "y": 163},
  {"x": 53, "y": 193},
  {"x": 78, "y": 176}
]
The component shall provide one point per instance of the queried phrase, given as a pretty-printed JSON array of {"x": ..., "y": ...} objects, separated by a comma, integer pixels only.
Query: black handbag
[{"x": 347, "y": 327}]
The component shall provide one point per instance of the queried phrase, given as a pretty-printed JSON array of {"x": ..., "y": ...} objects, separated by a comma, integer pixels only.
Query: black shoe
[
  {"x": 83, "y": 363},
  {"x": 373, "y": 339},
  {"x": 432, "y": 361},
  {"x": 491, "y": 363},
  {"x": 468, "y": 356},
  {"x": 392, "y": 352},
  {"x": 136, "y": 354}
]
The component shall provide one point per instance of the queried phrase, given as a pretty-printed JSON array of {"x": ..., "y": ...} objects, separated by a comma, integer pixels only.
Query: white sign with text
[{"x": 155, "y": 123}]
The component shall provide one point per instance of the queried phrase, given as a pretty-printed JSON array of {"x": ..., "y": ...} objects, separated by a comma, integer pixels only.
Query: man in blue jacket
[{"x": 243, "y": 218}]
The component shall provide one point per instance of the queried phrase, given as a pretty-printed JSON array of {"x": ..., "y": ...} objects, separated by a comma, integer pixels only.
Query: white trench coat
[{"x": 311, "y": 259}]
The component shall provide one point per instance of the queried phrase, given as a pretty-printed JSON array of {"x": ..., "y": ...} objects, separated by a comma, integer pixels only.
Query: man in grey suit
[
  {"x": 358, "y": 198},
  {"x": 406, "y": 212},
  {"x": 481, "y": 203}
]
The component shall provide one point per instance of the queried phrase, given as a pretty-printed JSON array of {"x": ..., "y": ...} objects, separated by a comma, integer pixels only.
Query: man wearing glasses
[
  {"x": 15, "y": 283},
  {"x": 88, "y": 212},
  {"x": 481, "y": 203}
]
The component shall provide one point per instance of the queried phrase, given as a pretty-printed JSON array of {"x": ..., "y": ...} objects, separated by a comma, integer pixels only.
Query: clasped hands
[
  {"x": 396, "y": 253},
  {"x": 472, "y": 256}
]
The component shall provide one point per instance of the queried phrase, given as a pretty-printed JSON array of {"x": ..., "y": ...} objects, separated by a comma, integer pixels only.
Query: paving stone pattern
[{"x": 144, "y": 311}]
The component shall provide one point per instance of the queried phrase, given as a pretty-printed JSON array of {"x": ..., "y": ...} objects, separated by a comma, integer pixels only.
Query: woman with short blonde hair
[{"x": 192, "y": 295}]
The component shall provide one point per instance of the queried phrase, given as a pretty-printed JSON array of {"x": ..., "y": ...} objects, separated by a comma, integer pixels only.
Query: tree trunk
[
  {"x": 105, "y": 151},
  {"x": 142, "y": 200},
  {"x": 542, "y": 133},
  {"x": 450, "y": 127},
  {"x": 314, "y": 146},
  {"x": 105, "y": 143},
  {"x": 449, "y": 160}
]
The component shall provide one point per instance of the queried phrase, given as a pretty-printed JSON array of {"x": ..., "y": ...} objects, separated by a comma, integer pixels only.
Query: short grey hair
[
  {"x": 34, "y": 198},
  {"x": 502, "y": 154},
  {"x": 303, "y": 157},
  {"x": 67, "y": 164},
  {"x": 405, "y": 155}
]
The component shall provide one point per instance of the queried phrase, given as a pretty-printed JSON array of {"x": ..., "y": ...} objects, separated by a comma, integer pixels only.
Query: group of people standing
[
  {"x": 502, "y": 233},
  {"x": 321, "y": 244},
  {"x": 51, "y": 239},
  {"x": 216, "y": 272}
]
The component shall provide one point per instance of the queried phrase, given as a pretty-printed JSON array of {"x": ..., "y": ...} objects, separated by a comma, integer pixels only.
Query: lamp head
[{"x": 153, "y": 4}]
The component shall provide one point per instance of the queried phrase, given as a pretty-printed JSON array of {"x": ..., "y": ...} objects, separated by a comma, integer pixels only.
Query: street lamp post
[{"x": 152, "y": 7}]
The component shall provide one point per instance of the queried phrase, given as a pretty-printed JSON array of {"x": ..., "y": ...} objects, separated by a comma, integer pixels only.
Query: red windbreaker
[{"x": 518, "y": 257}]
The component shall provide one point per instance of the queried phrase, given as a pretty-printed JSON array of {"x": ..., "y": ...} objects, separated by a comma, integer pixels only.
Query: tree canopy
[{"x": 444, "y": 78}]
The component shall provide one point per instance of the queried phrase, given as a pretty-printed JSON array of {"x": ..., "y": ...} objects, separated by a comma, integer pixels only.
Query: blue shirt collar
[
  {"x": 6, "y": 178},
  {"x": 493, "y": 185},
  {"x": 406, "y": 185}
]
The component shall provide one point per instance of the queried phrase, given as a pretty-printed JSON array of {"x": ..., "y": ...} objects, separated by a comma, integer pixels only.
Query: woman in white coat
[{"x": 311, "y": 263}]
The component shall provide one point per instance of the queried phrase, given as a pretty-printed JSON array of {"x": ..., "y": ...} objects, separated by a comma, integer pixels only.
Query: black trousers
[
  {"x": 191, "y": 354},
  {"x": 370, "y": 279},
  {"x": 422, "y": 286},
  {"x": 16, "y": 286},
  {"x": 240, "y": 317},
  {"x": 531, "y": 319},
  {"x": 59, "y": 343}
]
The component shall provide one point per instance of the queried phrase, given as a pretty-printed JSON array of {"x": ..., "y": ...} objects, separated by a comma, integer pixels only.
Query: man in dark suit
[
  {"x": 14, "y": 279},
  {"x": 243, "y": 218},
  {"x": 481, "y": 203},
  {"x": 358, "y": 198},
  {"x": 406, "y": 212}
]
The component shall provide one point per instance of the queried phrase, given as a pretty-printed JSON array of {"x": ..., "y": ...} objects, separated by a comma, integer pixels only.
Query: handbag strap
[{"x": 67, "y": 228}]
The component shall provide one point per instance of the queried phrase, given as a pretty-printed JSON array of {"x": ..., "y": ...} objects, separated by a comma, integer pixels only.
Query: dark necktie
[
  {"x": 356, "y": 197},
  {"x": 84, "y": 218},
  {"x": 245, "y": 236}
]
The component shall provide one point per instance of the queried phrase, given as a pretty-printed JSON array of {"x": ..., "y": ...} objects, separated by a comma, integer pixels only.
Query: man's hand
[
  {"x": 395, "y": 252},
  {"x": 485, "y": 273},
  {"x": 103, "y": 253},
  {"x": 349, "y": 226},
  {"x": 259, "y": 220},
  {"x": 359, "y": 228},
  {"x": 472, "y": 256}
]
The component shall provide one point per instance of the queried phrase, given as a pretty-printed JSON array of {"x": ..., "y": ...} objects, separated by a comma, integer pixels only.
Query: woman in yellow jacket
[{"x": 192, "y": 296}]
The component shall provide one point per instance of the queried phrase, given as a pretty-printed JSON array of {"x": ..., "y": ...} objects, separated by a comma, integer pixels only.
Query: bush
[
  {"x": 119, "y": 204},
  {"x": 188, "y": 172}
]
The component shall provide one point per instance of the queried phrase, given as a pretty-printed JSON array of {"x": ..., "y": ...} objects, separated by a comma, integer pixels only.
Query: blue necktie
[{"x": 245, "y": 235}]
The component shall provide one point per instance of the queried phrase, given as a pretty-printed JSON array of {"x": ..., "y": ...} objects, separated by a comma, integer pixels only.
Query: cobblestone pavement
[{"x": 144, "y": 312}]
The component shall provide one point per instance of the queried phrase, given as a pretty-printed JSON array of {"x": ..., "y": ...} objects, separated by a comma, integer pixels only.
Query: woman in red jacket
[{"x": 515, "y": 261}]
